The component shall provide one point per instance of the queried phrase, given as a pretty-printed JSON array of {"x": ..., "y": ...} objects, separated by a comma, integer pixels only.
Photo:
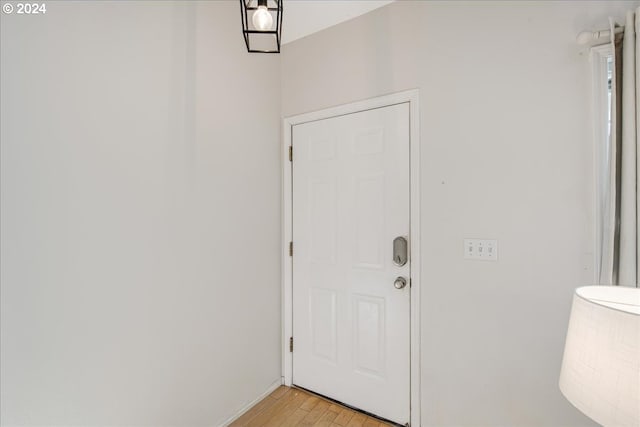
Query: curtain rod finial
[
  {"x": 588, "y": 36},
  {"x": 585, "y": 37}
]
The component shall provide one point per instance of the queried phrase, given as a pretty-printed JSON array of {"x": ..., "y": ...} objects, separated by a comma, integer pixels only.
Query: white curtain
[{"x": 620, "y": 262}]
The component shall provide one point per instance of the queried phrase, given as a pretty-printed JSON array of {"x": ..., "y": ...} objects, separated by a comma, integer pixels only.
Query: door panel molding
[{"x": 411, "y": 97}]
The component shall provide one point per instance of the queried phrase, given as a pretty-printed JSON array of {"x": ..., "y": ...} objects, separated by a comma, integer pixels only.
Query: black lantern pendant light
[{"x": 262, "y": 25}]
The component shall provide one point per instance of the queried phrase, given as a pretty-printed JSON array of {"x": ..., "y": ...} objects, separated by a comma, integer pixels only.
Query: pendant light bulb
[{"x": 262, "y": 19}]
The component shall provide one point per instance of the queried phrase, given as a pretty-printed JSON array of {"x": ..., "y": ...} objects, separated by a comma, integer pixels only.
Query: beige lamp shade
[{"x": 600, "y": 372}]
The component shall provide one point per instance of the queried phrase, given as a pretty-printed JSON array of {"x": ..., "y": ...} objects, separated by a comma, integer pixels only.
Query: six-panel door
[{"x": 350, "y": 201}]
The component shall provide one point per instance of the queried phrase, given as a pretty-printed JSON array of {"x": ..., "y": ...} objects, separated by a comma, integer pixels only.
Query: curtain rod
[{"x": 586, "y": 36}]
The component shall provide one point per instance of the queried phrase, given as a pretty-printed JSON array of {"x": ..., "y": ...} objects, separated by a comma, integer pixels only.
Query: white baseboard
[{"x": 250, "y": 405}]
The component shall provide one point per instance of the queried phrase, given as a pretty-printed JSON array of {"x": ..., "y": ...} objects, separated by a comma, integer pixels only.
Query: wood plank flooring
[{"x": 292, "y": 407}]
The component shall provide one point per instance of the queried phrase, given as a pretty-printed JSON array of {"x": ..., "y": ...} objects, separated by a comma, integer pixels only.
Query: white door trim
[{"x": 411, "y": 97}]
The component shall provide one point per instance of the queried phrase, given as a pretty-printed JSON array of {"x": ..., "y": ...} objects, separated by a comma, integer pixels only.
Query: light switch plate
[{"x": 481, "y": 249}]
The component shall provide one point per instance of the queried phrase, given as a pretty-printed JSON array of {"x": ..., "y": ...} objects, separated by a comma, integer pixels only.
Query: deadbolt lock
[{"x": 400, "y": 251}]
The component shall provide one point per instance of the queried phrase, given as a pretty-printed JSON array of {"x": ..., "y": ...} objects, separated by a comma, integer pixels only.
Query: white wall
[
  {"x": 140, "y": 215},
  {"x": 506, "y": 154}
]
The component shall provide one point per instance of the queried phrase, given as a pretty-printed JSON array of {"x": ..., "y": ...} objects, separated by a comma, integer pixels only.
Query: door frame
[{"x": 411, "y": 97}]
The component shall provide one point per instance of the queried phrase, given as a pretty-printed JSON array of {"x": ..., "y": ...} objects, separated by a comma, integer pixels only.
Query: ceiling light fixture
[{"x": 262, "y": 31}]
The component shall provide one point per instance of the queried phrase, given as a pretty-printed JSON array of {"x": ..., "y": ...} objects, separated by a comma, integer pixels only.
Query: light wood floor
[{"x": 292, "y": 407}]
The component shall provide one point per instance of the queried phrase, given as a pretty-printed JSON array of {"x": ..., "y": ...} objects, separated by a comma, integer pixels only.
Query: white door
[{"x": 350, "y": 201}]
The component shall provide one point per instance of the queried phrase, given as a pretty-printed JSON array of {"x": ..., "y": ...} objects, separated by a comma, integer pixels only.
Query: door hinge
[
  {"x": 291, "y": 345},
  {"x": 290, "y": 248},
  {"x": 291, "y": 153}
]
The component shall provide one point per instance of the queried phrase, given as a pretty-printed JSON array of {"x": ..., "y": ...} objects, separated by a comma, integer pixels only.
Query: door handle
[
  {"x": 400, "y": 283},
  {"x": 400, "y": 251}
]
